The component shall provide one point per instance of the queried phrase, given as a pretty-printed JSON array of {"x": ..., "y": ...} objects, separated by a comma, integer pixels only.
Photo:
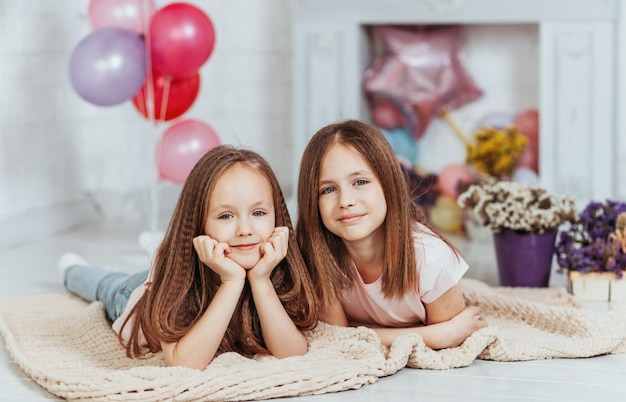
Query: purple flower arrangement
[{"x": 597, "y": 241}]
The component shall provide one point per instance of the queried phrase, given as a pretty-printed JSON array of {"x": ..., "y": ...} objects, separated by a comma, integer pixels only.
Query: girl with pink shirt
[{"x": 374, "y": 258}]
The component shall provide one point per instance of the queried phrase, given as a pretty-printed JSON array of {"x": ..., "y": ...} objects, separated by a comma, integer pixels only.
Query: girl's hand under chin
[
  {"x": 272, "y": 252},
  {"x": 215, "y": 255}
]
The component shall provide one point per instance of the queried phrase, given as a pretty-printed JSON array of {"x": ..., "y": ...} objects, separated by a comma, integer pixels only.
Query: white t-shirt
[{"x": 439, "y": 269}]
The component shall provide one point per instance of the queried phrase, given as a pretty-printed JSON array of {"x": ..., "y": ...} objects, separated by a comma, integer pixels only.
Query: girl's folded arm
[
  {"x": 449, "y": 322},
  {"x": 446, "y": 306},
  {"x": 282, "y": 337},
  {"x": 335, "y": 315},
  {"x": 198, "y": 346},
  {"x": 447, "y": 334}
]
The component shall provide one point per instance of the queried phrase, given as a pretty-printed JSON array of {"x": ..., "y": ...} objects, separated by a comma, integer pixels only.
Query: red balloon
[
  {"x": 181, "y": 146},
  {"x": 182, "y": 38},
  {"x": 180, "y": 95},
  {"x": 421, "y": 72}
]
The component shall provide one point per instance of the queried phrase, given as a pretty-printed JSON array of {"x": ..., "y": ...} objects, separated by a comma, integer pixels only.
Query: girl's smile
[
  {"x": 245, "y": 247},
  {"x": 350, "y": 218}
]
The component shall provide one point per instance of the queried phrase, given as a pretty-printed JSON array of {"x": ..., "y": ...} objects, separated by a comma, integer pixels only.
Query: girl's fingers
[
  {"x": 221, "y": 248},
  {"x": 208, "y": 248},
  {"x": 267, "y": 248},
  {"x": 279, "y": 240}
]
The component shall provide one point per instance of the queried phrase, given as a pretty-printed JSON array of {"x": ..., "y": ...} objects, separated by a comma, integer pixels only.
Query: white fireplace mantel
[{"x": 578, "y": 42}]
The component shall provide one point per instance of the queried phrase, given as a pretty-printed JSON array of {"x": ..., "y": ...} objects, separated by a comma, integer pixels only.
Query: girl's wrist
[
  {"x": 260, "y": 281},
  {"x": 234, "y": 283}
]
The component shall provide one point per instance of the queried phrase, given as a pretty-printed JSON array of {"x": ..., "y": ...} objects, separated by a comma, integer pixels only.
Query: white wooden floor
[{"x": 30, "y": 269}]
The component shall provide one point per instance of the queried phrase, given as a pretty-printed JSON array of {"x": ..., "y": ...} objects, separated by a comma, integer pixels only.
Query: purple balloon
[
  {"x": 497, "y": 120},
  {"x": 108, "y": 66}
]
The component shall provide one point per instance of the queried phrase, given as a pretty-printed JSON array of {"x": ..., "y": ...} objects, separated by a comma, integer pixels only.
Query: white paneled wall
[{"x": 64, "y": 160}]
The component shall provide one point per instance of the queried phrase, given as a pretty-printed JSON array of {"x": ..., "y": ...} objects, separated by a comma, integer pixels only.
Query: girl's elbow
[
  {"x": 298, "y": 351},
  {"x": 171, "y": 360},
  {"x": 298, "y": 348},
  {"x": 191, "y": 365}
]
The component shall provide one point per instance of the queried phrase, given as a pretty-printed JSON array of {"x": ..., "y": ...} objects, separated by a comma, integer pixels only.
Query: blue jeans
[{"x": 98, "y": 284}]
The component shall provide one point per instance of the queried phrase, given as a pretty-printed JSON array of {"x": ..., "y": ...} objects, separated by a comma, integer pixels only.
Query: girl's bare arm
[
  {"x": 448, "y": 322},
  {"x": 198, "y": 346},
  {"x": 447, "y": 334},
  {"x": 280, "y": 334},
  {"x": 335, "y": 315}
]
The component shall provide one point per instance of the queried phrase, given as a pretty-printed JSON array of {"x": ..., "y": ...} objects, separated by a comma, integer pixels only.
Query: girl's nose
[
  {"x": 243, "y": 227},
  {"x": 346, "y": 199}
]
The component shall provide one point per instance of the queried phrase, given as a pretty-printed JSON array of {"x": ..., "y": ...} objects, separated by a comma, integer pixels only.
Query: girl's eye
[
  {"x": 225, "y": 216},
  {"x": 327, "y": 190},
  {"x": 258, "y": 213},
  {"x": 361, "y": 182}
]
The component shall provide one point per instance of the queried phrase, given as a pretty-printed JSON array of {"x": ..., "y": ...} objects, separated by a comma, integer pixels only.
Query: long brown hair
[
  {"x": 182, "y": 286},
  {"x": 325, "y": 253}
]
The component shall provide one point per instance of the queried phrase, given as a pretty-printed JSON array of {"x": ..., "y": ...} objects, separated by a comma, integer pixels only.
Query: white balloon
[
  {"x": 525, "y": 176},
  {"x": 150, "y": 241}
]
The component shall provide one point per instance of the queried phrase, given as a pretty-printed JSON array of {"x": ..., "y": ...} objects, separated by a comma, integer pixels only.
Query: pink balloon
[
  {"x": 528, "y": 124},
  {"x": 129, "y": 14},
  {"x": 421, "y": 71},
  {"x": 181, "y": 146},
  {"x": 385, "y": 114},
  {"x": 451, "y": 177},
  {"x": 530, "y": 157},
  {"x": 182, "y": 38}
]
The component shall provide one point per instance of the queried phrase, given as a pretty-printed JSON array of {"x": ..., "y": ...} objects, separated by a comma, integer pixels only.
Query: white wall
[
  {"x": 64, "y": 160},
  {"x": 621, "y": 107}
]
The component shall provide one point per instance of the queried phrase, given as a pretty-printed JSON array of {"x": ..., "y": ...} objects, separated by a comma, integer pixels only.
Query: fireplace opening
[{"x": 501, "y": 60}]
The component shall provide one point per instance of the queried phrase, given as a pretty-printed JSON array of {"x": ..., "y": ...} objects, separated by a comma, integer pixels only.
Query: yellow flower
[{"x": 496, "y": 152}]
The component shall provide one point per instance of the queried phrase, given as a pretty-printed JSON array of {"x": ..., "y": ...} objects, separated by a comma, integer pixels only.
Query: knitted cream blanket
[{"x": 68, "y": 347}]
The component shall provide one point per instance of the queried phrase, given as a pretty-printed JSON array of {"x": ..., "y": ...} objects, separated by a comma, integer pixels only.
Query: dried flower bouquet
[{"x": 511, "y": 205}]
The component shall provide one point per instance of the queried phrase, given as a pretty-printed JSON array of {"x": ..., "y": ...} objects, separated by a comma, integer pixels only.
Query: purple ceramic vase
[{"x": 524, "y": 259}]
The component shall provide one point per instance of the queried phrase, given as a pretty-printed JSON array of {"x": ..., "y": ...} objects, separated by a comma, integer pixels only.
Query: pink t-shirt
[{"x": 439, "y": 268}]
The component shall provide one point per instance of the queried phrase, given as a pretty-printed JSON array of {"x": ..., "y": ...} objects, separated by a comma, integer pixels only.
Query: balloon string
[
  {"x": 455, "y": 128},
  {"x": 154, "y": 198},
  {"x": 165, "y": 97},
  {"x": 145, "y": 13},
  {"x": 143, "y": 102}
]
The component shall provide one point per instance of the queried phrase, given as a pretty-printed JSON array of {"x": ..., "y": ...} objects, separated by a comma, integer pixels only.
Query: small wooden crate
[{"x": 597, "y": 286}]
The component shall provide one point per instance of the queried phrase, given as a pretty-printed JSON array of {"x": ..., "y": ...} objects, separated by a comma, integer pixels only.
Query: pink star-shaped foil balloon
[{"x": 419, "y": 73}]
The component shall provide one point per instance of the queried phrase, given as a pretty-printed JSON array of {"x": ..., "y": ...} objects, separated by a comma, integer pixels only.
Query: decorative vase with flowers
[
  {"x": 593, "y": 252},
  {"x": 524, "y": 221}
]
